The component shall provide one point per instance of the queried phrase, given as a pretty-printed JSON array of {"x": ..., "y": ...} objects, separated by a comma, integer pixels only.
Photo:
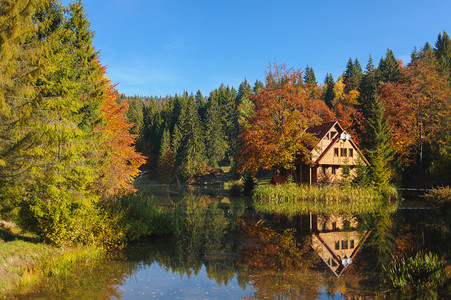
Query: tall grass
[
  {"x": 59, "y": 265},
  {"x": 419, "y": 276},
  {"x": 292, "y": 199}
]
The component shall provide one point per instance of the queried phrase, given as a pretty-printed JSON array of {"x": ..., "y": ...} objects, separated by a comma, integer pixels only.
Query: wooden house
[
  {"x": 335, "y": 149},
  {"x": 336, "y": 241}
]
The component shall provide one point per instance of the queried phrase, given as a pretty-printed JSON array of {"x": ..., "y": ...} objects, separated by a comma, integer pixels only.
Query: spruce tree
[
  {"x": 389, "y": 70},
  {"x": 216, "y": 143},
  {"x": 379, "y": 146},
  {"x": 190, "y": 159},
  {"x": 368, "y": 88},
  {"x": 257, "y": 86},
  {"x": 443, "y": 53},
  {"x": 329, "y": 93},
  {"x": 352, "y": 75},
  {"x": 309, "y": 76}
]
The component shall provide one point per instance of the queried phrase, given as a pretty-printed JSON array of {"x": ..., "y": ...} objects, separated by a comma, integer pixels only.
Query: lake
[{"x": 223, "y": 249}]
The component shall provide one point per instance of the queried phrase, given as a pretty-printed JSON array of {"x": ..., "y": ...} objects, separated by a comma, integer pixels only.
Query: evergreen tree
[
  {"x": 352, "y": 75},
  {"x": 257, "y": 86},
  {"x": 190, "y": 159},
  {"x": 58, "y": 203},
  {"x": 309, "y": 76},
  {"x": 443, "y": 53},
  {"x": 329, "y": 93},
  {"x": 379, "y": 146},
  {"x": 244, "y": 91},
  {"x": 135, "y": 115},
  {"x": 21, "y": 64},
  {"x": 165, "y": 158},
  {"x": 245, "y": 106},
  {"x": 389, "y": 70},
  {"x": 216, "y": 144},
  {"x": 368, "y": 88}
]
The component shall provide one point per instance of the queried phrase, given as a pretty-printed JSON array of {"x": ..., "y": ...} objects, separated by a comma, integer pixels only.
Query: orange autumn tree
[
  {"x": 121, "y": 162},
  {"x": 419, "y": 109},
  {"x": 276, "y": 129}
]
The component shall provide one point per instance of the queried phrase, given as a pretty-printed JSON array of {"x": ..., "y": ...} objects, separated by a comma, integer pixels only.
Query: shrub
[{"x": 440, "y": 197}]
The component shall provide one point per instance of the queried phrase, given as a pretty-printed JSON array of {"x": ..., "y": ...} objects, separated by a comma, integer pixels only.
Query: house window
[
  {"x": 323, "y": 170},
  {"x": 344, "y": 152},
  {"x": 334, "y": 225},
  {"x": 324, "y": 226},
  {"x": 344, "y": 244},
  {"x": 336, "y": 152},
  {"x": 332, "y": 134},
  {"x": 337, "y": 245},
  {"x": 326, "y": 137},
  {"x": 334, "y": 264},
  {"x": 351, "y": 152},
  {"x": 351, "y": 244}
]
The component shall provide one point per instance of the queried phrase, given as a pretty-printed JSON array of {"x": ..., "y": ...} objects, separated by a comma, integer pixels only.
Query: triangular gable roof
[
  {"x": 321, "y": 130},
  {"x": 341, "y": 268}
]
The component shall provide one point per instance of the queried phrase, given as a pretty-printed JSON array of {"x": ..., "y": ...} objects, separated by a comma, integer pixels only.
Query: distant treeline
[{"x": 401, "y": 110}]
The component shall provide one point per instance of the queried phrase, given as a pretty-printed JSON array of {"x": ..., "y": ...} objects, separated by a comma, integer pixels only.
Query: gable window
[
  {"x": 336, "y": 152},
  {"x": 337, "y": 245},
  {"x": 326, "y": 137},
  {"x": 351, "y": 153},
  {"x": 332, "y": 134},
  {"x": 344, "y": 152},
  {"x": 351, "y": 244}
]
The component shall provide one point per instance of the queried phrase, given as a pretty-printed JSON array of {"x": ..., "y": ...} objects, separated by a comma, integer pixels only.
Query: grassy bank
[
  {"x": 292, "y": 199},
  {"x": 25, "y": 261}
]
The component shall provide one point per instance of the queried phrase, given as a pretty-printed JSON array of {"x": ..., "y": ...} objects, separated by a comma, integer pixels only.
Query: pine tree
[
  {"x": 352, "y": 75},
  {"x": 165, "y": 158},
  {"x": 190, "y": 159},
  {"x": 329, "y": 93},
  {"x": 443, "y": 53},
  {"x": 379, "y": 146},
  {"x": 309, "y": 76},
  {"x": 257, "y": 86},
  {"x": 389, "y": 70},
  {"x": 216, "y": 144}
]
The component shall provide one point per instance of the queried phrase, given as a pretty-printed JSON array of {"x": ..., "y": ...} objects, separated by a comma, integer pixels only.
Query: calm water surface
[{"x": 224, "y": 250}]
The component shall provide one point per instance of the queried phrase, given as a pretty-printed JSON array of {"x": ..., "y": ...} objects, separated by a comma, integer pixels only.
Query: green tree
[
  {"x": 329, "y": 94},
  {"x": 58, "y": 202},
  {"x": 352, "y": 75},
  {"x": 443, "y": 53},
  {"x": 216, "y": 144},
  {"x": 389, "y": 70},
  {"x": 309, "y": 76},
  {"x": 190, "y": 159},
  {"x": 379, "y": 146}
]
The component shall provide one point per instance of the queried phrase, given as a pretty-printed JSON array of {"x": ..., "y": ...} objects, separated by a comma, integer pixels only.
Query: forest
[
  {"x": 70, "y": 144},
  {"x": 398, "y": 113}
]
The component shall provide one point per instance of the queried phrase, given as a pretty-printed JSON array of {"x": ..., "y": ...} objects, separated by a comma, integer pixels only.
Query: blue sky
[{"x": 159, "y": 48}]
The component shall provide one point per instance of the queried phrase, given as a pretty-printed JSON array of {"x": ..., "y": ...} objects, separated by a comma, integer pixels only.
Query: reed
[
  {"x": 292, "y": 199},
  {"x": 418, "y": 276}
]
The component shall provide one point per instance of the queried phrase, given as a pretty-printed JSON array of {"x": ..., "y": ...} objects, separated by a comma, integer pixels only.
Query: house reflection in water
[{"x": 336, "y": 241}]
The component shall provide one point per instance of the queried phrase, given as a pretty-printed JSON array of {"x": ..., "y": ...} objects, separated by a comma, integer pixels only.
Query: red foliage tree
[
  {"x": 121, "y": 162},
  {"x": 419, "y": 108},
  {"x": 276, "y": 129}
]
